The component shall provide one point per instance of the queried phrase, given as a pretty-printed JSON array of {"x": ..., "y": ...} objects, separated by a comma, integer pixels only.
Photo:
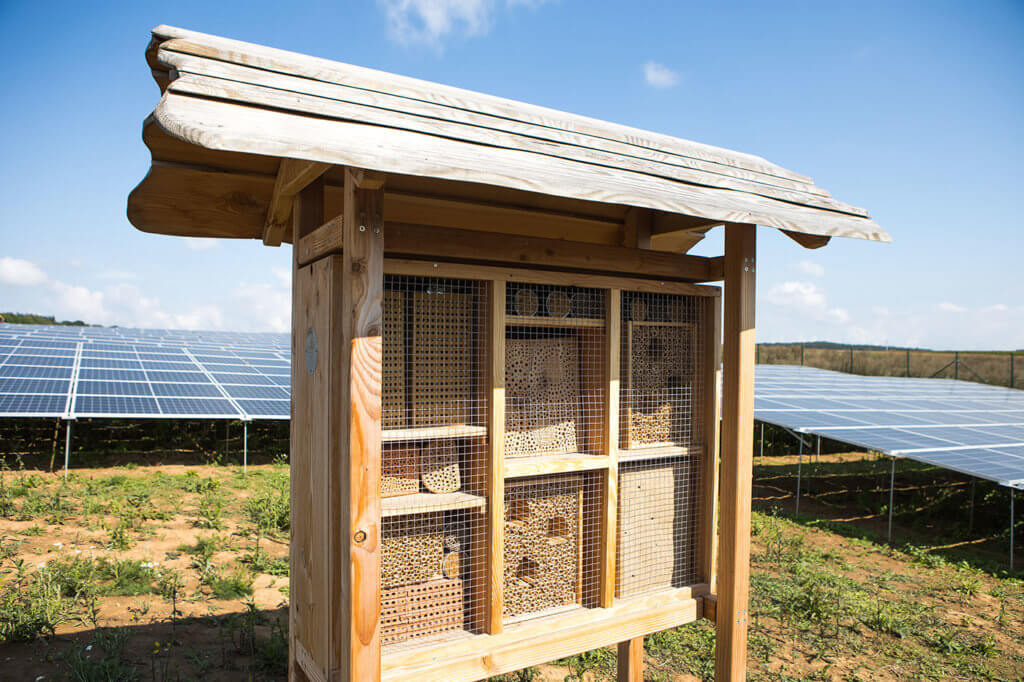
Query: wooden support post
[
  {"x": 631, "y": 660},
  {"x": 737, "y": 453},
  {"x": 495, "y": 582},
  {"x": 711, "y": 368},
  {"x": 356, "y": 592},
  {"x": 609, "y": 509}
]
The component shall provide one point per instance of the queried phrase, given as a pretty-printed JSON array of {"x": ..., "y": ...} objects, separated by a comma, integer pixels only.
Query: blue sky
[{"x": 912, "y": 110}]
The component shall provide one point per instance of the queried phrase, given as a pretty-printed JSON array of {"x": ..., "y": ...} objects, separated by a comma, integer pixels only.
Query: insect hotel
[{"x": 506, "y": 444}]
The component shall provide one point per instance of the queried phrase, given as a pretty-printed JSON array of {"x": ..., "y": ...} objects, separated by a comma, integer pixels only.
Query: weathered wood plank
[
  {"x": 280, "y": 61},
  {"x": 201, "y": 85},
  {"x": 737, "y": 454},
  {"x": 610, "y": 446},
  {"x": 292, "y": 176},
  {"x": 808, "y": 241},
  {"x": 230, "y": 127},
  {"x": 710, "y": 368}
]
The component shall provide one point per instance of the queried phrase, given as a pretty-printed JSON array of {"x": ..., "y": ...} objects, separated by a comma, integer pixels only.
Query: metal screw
[
  {"x": 435, "y": 265},
  {"x": 360, "y": 536},
  {"x": 362, "y": 228}
]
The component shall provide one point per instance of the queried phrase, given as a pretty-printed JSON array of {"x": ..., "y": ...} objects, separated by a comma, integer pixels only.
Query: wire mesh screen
[
  {"x": 433, "y": 460},
  {"x": 554, "y": 370},
  {"x": 658, "y": 525},
  {"x": 551, "y": 544},
  {"x": 661, "y": 387}
]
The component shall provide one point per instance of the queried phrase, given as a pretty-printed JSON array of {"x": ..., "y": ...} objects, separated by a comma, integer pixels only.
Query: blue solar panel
[
  {"x": 972, "y": 428},
  {"x": 247, "y": 379},
  {"x": 175, "y": 366},
  {"x": 197, "y": 406},
  {"x": 19, "y": 358},
  {"x": 14, "y": 404},
  {"x": 266, "y": 408},
  {"x": 271, "y": 392},
  {"x": 113, "y": 388},
  {"x": 26, "y": 371},
  {"x": 108, "y": 363},
  {"x": 111, "y": 375},
  {"x": 33, "y": 386},
  {"x": 179, "y": 377},
  {"x": 114, "y": 405},
  {"x": 186, "y": 390}
]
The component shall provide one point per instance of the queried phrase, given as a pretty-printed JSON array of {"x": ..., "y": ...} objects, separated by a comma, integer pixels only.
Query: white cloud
[
  {"x": 263, "y": 306},
  {"x": 20, "y": 272},
  {"x": 431, "y": 22},
  {"x": 811, "y": 268},
  {"x": 806, "y": 300},
  {"x": 660, "y": 76},
  {"x": 201, "y": 243},
  {"x": 283, "y": 275},
  {"x": 78, "y": 303},
  {"x": 948, "y": 307}
]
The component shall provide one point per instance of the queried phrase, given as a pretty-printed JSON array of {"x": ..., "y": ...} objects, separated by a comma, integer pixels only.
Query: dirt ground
[{"x": 179, "y": 572}]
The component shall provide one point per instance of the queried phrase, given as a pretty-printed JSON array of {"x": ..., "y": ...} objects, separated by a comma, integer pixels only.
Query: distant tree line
[{"x": 32, "y": 318}]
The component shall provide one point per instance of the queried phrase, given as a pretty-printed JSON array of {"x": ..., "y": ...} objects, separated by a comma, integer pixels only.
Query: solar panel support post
[
  {"x": 245, "y": 448},
  {"x": 762, "y": 443},
  {"x": 956, "y": 365},
  {"x": 892, "y": 483},
  {"x": 67, "y": 450},
  {"x": 799, "y": 464},
  {"x": 970, "y": 517},
  {"x": 1012, "y": 382},
  {"x": 1011, "y": 529}
]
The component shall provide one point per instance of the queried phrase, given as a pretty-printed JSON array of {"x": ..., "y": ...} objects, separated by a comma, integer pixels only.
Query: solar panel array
[
  {"x": 71, "y": 372},
  {"x": 975, "y": 429}
]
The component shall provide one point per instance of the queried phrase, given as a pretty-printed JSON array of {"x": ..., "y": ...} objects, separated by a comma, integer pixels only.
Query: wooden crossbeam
[{"x": 292, "y": 176}]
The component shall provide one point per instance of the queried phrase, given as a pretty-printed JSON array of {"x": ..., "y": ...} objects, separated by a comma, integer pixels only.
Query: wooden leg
[
  {"x": 631, "y": 660},
  {"x": 737, "y": 445}
]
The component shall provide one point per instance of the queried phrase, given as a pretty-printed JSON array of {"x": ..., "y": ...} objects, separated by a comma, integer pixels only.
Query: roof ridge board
[
  {"x": 176, "y": 58},
  {"x": 178, "y": 116},
  {"x": 191, "y": 63},
  {"x": 256, "y": 56},
  {"x": 207, "y": 86}
]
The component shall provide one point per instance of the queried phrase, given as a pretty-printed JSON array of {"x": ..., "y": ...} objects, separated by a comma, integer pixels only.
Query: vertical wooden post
[
  {"x": 356, "y": 585},
  {"x": 631, "y": 660},
  {"x": 711, "y": 368},
  {"x": 610, "y": 506},
  {"x": 737, "y": 453},
  {"x": 495, "y": 582}
]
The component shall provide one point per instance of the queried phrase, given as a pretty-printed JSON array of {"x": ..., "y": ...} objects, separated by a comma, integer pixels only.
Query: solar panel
[
  {"x": 972, "y": 428},
  {"x": 71, "y": 372}
]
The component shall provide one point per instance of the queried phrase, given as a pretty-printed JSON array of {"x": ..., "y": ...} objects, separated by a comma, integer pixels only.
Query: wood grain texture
[
  {"x": 808, "y": 241},
  {"x": 631, "y": 660},
  {"x": 221, "y": 125},
  {"x": 358, "y": 593},
  {"x": 292, "y": 176},
  {"x": 610, "y": 445},
  {"x": 495, "y": 555},
  {"x": 737, "y": 453}
]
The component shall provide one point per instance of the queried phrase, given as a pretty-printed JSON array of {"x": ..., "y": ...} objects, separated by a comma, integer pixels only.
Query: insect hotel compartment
[
  {"x": 549, "y": 562},
  {"x": 658, "y": 537},
  {"x": 433, "y": 458},
  {"x": 554, "y": 370},
  {"x": 661, "y": 387}
]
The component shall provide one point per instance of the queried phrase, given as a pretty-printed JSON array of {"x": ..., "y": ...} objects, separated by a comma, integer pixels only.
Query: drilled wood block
[
  {"x": 658, "y": 405},
  {"x": 440, "y": 466},
  {"x": 657, "y": 538},
  {"x": 542, "y": 388},
  {"x": 393, "y": 410},
  {"x": 442, "y": 358},
  {"x": 421, "y": 610},
  {"x": 543, "y": 541},
  {"x": 400, "y": 471}
]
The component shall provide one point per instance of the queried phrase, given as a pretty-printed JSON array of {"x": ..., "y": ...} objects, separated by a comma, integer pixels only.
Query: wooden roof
[{"x": 230, "y": 111}]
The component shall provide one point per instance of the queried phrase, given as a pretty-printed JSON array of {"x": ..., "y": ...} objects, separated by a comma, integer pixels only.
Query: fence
[{"x": 1001, "y": 369}]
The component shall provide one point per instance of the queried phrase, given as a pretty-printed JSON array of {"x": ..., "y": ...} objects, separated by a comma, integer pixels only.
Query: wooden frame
[{"x": 500, "y": 646}]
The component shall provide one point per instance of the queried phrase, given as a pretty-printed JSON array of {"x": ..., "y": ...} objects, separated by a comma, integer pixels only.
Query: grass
[{"x": 179, "y": 573}]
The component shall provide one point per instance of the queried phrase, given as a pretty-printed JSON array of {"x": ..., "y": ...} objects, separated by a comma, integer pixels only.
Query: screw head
[{"x": 360, "y": 536}]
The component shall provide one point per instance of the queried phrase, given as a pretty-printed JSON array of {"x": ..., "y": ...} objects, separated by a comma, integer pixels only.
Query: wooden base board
[{"x": 540, "y": 640}]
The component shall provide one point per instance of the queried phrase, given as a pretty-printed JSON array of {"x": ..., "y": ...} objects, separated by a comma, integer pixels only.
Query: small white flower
[
  {"x": 41, "y": 677},
  {"x": 42, "y": 565},
  {"x": 58, "y": 545},
  {"x": 89, "y": 648}
]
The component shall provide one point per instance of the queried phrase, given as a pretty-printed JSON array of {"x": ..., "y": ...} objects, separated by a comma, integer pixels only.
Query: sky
[{"x": 913, "y": 110}]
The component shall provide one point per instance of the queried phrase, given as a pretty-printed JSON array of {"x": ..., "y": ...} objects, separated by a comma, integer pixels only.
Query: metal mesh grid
[
  {"x": 551, "y": 544},
  {"x": 554, "y": 370},
  {"x": 661, "y": 386},
  {"x": 433, "y": 459},
  {"x": 661, "y": 434},
  {"x": 658, "y": 525}
]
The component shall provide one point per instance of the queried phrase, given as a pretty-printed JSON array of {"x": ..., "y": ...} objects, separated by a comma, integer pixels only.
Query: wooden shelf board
[
  {"x": 424, "y": 503},
  {"x": 660, "y": 451},
  {"x": 541, "y": 321},
  {"x": 434, "y": 432},
  {"x": 520, "y": 466}
]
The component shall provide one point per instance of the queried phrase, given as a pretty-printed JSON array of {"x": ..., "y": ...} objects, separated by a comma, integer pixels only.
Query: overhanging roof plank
[
  {"x": 808, "y": 241},
  {"x": 230, "y": 127},
  {"x": 281, "y": 61},
  {"x": 186, "y": 64},
  {"x": 317, "y": 105}
]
